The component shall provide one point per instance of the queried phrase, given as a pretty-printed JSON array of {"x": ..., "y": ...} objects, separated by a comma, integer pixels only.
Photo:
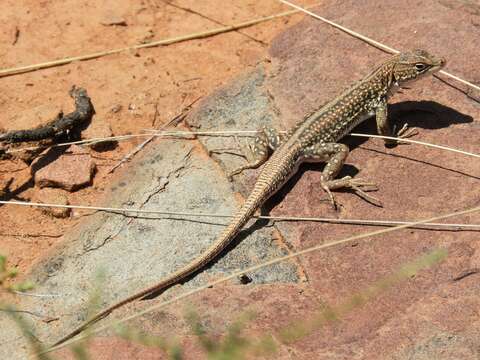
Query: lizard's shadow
[
  {"x": 418, "y": 114},
  {"x": 427, "y": 114}
]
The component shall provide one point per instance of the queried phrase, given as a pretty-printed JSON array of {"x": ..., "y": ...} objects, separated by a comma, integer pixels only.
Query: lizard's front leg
[
  {"x": 384, "y": 128},
  {"x": 268, "y": 140},
  {"x": 334, "y": 154}
]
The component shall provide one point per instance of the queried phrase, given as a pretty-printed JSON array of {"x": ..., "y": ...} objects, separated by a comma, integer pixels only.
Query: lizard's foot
[
  {"x": 255, "y": 156},
  {"x": 326, "y": 188},
  {"x": 359, "y": 186},
  {"x": 404, "y": 133}
]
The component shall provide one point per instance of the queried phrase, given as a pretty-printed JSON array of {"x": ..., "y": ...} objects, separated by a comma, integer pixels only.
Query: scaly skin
[{"x": 311, "y": 140}]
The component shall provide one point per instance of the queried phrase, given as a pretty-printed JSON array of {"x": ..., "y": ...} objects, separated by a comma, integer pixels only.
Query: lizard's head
[{"x": 410, "y": 66}]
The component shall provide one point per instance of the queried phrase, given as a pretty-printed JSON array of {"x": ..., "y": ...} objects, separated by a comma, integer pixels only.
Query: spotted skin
[
  {"x": 268, "y": 140},
  {"x": 315, "y": 138}
]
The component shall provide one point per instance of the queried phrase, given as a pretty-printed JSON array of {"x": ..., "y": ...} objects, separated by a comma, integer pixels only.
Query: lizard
[{"x": 314, "y": 139}]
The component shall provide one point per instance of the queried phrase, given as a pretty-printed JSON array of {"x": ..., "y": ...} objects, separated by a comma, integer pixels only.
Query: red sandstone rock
[
  {"x": 53, "y": 196},
  {"x": 71, "y": 171},
  {"x": 99, "y": 129}
]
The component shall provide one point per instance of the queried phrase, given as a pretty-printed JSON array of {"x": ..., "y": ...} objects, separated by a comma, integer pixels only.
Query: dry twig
[
  {"x": 426, "y": 226},
  {"x": 257, "y": 267},
  {"x": 370, "y": 41},
  {"x": 174, "y": 121},
  {"x": 61, "y": 125},
  {"x": 177, "y": 39}
]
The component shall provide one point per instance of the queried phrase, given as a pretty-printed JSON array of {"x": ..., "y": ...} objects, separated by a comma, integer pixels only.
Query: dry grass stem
[
  {"x": 163, "y": 42},
  {"x": 228, "y": 133},
  {"x": 260, "y": 266},
  {"x": 175, "y": 120},
  {"x": 370, "y": 41},
  {"x": 425, "y": 226}
]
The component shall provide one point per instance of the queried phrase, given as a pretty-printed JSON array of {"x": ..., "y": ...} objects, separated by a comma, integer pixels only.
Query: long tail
[{"x": 262, "y": 190}]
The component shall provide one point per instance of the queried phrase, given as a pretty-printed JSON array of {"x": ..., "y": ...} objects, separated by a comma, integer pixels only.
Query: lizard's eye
[{"x": 420, "y": 66}]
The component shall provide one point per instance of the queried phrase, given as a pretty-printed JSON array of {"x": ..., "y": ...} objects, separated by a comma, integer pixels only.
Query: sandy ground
[{"x": 150, "y": 86}]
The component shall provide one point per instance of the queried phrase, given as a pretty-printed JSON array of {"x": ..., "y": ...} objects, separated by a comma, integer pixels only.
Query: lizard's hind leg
[
  {"x": 267, "y": 140},
  {"x": 335, "y": 154}
]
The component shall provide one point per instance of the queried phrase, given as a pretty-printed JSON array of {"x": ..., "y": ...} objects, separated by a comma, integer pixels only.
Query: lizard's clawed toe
[
  {"x": 363, "y": 183},
  {"x": 361, "y": 187},
  {"x": 363, "y": 194},
  {"x": 404, "y": 133}
]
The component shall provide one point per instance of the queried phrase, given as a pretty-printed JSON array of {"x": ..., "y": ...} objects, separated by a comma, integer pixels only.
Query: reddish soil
[{"x": 149, "y": 86}]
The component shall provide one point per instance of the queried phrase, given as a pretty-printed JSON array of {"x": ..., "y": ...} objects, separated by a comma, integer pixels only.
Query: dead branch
[{"x": 61, "y": 125}]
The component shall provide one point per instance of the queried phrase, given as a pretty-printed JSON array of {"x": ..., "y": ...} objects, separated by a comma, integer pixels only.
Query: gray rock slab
[{"x": 135, "y": 252}]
